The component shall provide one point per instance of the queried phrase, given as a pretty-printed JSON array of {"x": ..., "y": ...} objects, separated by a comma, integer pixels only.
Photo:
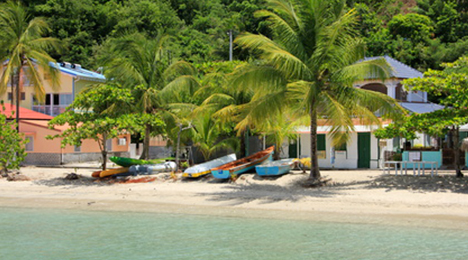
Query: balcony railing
[{"x": 50, "y": 110}]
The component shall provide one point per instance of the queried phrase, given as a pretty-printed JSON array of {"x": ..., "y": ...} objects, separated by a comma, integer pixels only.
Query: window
[
  {"x": 66, "y": 99},
  {"x": 30, "y": 143},
  {"x": 122, "y": 141},
  {"x": 321, "y": 143},
  {"x": 77, "y": 148},
  {"x": 341, "y": 147},
  {"x": 23, "y": 96}
]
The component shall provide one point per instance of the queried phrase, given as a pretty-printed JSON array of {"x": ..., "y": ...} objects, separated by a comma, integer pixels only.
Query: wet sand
[{"x": 358, "y": 196}]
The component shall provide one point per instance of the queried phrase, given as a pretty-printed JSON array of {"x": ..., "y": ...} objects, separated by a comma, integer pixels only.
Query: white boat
[
  {"x": 148, "y": 169},
  {"x": 275, "y": 168},
  {"x": 205, "y": 168}
]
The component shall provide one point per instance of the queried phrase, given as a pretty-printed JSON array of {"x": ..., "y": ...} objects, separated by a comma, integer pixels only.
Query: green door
[
  {"x": 293, "y": 148},
  {"x": 364, "y": 153}
]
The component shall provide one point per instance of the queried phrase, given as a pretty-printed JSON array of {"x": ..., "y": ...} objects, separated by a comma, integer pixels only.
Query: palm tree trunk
[
  {"x": 104, "y": 152},
  {"x": 146, "y": 143},
  {"x": 456, "y": 152},
  {"x": 242, "y": 145},
  {"x": 314, "y": 168},
  {"x": 18, "y": 97}
]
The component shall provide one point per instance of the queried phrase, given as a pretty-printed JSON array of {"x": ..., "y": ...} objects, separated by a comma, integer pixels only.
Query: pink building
[{"x": 41, "y": 151}]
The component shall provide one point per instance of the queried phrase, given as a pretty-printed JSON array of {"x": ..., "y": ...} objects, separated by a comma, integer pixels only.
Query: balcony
[{"x": 54, "y": 110}]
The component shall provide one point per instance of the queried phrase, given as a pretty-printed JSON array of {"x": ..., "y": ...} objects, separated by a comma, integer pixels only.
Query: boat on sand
[
  {"x": 148, "y": 169},
  {"x": 127, "y": 162},
  {"x": 109, "y": 172},
  {"x": 205, "y": 168},
  {"x": 242, "y": 165},
  {"x": 275, "y": 168}
]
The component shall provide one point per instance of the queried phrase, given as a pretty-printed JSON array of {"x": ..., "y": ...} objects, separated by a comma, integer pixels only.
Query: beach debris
[
  {"x": 72, "y": 176},
  {"x": 17, "y": 177},
  {"x": 316, "y": 183},
  {"x": 139, "y": 180}
]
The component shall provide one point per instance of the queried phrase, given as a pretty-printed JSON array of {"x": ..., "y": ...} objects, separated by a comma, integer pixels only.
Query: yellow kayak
[
  {"x": 195, "y": 175},
  {"x": 113, "y": 171}
]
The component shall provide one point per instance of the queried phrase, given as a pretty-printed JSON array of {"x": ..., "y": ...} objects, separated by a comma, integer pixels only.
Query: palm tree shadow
[
  {"x": 441, "y": 183},
  {"x": 268, "y": 193},
  {"x": 81, "y": 181}
]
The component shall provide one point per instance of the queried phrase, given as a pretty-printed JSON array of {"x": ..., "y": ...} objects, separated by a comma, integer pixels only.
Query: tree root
[{"x": 315, "y": 183}]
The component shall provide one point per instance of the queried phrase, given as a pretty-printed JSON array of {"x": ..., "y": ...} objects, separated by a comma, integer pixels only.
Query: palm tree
[
  {"x": 206, "y": 133},
  {"x": 227, "y": 104},
  {"x": 145, "y": 66},
  {"x": 310, "y": 65},
  {"x": 23, "y": 45}
]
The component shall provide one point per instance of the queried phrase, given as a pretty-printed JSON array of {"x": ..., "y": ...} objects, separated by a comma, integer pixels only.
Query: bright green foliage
[
  {"x": 229, "y": 102},
  {"x": 12, "y": 143},
  {"x": 413, "y": 27},
  {"x": 309, "y": 67},
  {"x": 100, "y": 113},
  {"x": 83, "y": 25},
  {"x": 206, "y": 135},
  {"x": 158, "y": 85}
]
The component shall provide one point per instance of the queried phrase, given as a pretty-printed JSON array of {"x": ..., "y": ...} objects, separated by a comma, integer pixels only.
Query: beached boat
[
  {"x": 148, "y": 169},
  {"x": 127, "y": 162},
  {"x": 275, "y": 168},
  {"x": 242, "y": 165},
  {"x": 110, "y": 172},
  {"x": 205, "y": 168}
]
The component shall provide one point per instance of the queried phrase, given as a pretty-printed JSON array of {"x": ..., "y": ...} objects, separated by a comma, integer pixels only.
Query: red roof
[{"x": 24, "y": 113}]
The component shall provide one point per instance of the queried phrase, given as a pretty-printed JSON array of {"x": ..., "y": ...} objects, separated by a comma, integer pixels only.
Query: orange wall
[
  {"x": 157, "y": 141},
  {"x": 43, "y": 145}
]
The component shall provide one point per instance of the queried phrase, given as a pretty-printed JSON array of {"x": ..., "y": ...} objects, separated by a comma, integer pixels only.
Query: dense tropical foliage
[{"x": 294, "y": 62}]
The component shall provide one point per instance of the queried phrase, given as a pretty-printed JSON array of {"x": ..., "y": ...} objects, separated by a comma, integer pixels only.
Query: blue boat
[
  {"x": 242, "y": 165},
  {"x": 275, "y": 168}
]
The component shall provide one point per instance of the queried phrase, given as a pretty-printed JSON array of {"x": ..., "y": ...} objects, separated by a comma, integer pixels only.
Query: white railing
[
  {"x": 415, "y": 165},
  {"x": 50, "y": 110}
]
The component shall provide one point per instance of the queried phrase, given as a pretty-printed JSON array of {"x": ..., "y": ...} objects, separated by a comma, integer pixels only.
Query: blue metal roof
[
  {"x": 421, "y": 108},
  {"x": 400, "y": 70},
  {"x": 80, "y": 72}
]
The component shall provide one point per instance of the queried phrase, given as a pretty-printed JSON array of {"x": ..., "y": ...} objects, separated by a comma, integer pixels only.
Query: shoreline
[
  {"x": 352, "y": 200},
  {"x": 446, "y": 222}
]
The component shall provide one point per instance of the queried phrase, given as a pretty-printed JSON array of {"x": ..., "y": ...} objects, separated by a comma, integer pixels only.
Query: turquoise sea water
[{"x": 62, "y": 234}]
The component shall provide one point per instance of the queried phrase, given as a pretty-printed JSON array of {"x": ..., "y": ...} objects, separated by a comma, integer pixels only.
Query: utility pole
[
  {"x": 230, "y": 44},
  {"x": 178, "y": 143}
]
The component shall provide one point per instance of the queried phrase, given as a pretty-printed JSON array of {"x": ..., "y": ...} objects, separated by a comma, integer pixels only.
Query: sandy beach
[{"x": 359, "y": 196}]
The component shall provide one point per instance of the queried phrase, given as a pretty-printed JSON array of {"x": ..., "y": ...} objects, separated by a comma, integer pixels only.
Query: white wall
[{"x": 343, "y": 160}]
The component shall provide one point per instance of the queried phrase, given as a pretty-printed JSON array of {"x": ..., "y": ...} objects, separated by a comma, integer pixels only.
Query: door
[
  {"x": 364, "y": 153},
  {"x": 292, "y": 148}
]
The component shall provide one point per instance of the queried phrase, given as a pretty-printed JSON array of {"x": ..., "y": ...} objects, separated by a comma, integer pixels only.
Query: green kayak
[{"x": 127, "y": 162}]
